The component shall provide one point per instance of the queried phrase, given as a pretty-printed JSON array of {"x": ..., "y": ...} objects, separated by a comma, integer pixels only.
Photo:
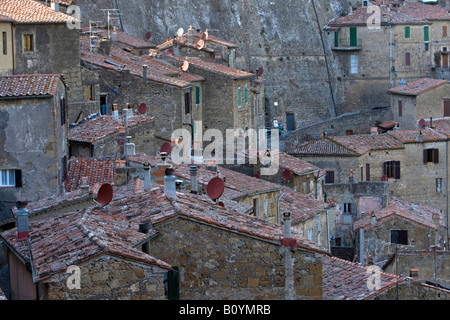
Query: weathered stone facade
[
  {"x": 231, "y": 265},
  {"x": 409, "y": 289}
]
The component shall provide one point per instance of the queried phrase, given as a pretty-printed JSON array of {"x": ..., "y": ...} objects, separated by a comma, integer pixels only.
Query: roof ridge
[
  {"x": 342, "y": 145},
  {"x": 91, "y": 235}
]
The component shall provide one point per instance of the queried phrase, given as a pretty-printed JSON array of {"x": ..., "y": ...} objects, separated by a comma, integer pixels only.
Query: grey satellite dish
[{"x": 180, "y": 32}]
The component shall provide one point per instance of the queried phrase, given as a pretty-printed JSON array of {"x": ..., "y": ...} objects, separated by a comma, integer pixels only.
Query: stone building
[
  {"x": 33, "y": 153},
  {"x": 421, "y": 99},
  {"x": 382, "y": 42},
  {"x": 400, "y": 226},
  {"x": 109, "y": 135}
]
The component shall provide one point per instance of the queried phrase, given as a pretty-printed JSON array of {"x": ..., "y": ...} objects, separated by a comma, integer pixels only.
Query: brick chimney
[
  {"x": 130, "y": 147},
  {"x": 414, "y": 273},
  {"x": 373, "y": 218},
  {"x": 23, "y": 228}
]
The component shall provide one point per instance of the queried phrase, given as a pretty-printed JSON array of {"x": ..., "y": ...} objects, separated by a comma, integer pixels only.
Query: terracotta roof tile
[
  {"x": 321, "y": 146},
  {"x": 187, "y": 41},
  {"x": 403, "y": 209},
  {"x": 29, "y": 85},
  {"x": 125, "y": 38},
  {"x": 440, "y": 125},
  {"x": 417, "y": 87},
  {"x": 345, "y": 280},
  {"x": 100, "y": 127},
  {"x": 157, "y": 71},
  {"x": 410, "y": 136},
  {"x": 296, "y": 165},
  {"x": 29, "y": 11},
  {"x": 98, "y": 171}
]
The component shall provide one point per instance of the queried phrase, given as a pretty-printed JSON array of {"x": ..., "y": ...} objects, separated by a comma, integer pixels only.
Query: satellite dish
[
  {"x": 180, "y": 32},
  {"x": 215, "y": 188},
  {"x": 105, "y": 194},
  {"x": 142, "y": 108},
  {"x": 185, "y": 65},
  {"x": 148, "y": 35},
  {"x": 221, "y": 204},
  {"x": 200, "y": 44},
  {"x": 205, "y": 36},
  {"x": 165, "y": 147},
  {"x": 260, "y": 71},
  {"x": 170, "y": 52},
  {"x": 422, "y": 123},
  {"x": 286, "y": 175}
]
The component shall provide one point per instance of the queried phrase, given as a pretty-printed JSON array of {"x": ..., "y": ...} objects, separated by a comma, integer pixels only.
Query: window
[
  {"x": 5, "y": 43},
  {"x": 265, "y": 207},
  {"x": 336, "y": 39},
  {"x": 246, "y": 96},
  {"x": 239, "y": 97},
  {"x": 407, "y": 58},
  {"x": 173, "y": 284},
  {"x": 367, "y": 172},
  {"x": 444, "y": 31},
  {"x": 347, "y": 207},
  {"x": 28, "y": 45},
  {"x": 427, "y": 46},
  {"x": 446, "y": 108},
  {"x": 399, "y": 236},
  {"x": 307, "y": 185},
  {"x": 329, "y": 178},
  {"x": 353, "y": 64},
  {"x": 62, "y": 106},
  {"x": 439, "y": 185},
  {"x": 89, "y": 94},
  {"x": 407, "y": 32},
  {"x": 400, "y": 107},
  {"x": 353, "y": 37},
  {"x": 426, "y": 36},
  {"x": 392, "y": 169},
  {"x": 256, "y": 207},
  {"x": 197, "y": 95},
  {"x": 11, "y": 178},
  {"x": 431, "y": 156},
  {"x": 187, "y": 103}
]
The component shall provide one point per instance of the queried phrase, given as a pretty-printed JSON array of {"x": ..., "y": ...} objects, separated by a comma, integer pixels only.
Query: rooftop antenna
[
  {"x": 113, "y": 15},
  {"x": 215, "y": 188},
  {"x": 93, "y": 35}
]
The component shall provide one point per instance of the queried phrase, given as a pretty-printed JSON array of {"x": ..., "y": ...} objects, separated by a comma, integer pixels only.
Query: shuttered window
[
  {"x": 444, "y": 31},
  {"x": 446, "y": 108},
  {"x": 239, "y": 97},
  {"x": 187, "y": 103},
  {"x": 367, "y": 172},
  {"x": 392, "y": 169},
  {"x": 173, "y": 279},
  {"x": 336, "y": 39},
  {"x": 197, "y": 95},
  {"x": 407, "y": 58},
  {"x": 399, "y": 236},
  {"x": 329, "y": 178},
  {"x": 407, "y": 32},
  {"x": 426, "y": 36},
  {"x": 400, "y": 108},
  {"x": 431, "y": 156}
]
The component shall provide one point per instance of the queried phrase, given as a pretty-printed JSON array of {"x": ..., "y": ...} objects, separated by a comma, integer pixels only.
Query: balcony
[{"x": 347, "y": 45}]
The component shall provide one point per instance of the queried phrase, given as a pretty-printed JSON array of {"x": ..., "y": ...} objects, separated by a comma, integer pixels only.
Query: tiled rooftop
[
  {"x": 185, "y": 40},
  {"x": 402, "y": 209},
  {"x": 409, "y": 136},
  {"x": 322, "y": 146},
  {"x": 59, "y": 242},
  {"x": 296, "y": 165},
  {"x": 102, "y": 126},
  {"x": 97, "y": 171},
  {"x": 157, "y": 71},
  {"x": 30, "y": 11},
  {"x": 210, "y": 66},
  {"x": 345, "y": 280},
  {"x": 417, "y": 87},
  {"x": 29, "y": 85},
  {"x": 411, "y": 13},
  {"x": 124, "y": 38},
  {"x": 440, "y": 125}
]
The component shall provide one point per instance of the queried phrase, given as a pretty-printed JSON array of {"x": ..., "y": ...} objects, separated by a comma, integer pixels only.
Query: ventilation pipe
[
  {"x": 23, "y": 228},
  {"x": 169, "y": 183},
  {"x": 193, "y": 174},
  {"x": 147, "y": 177},
  {"x": 287, "y": 224}
]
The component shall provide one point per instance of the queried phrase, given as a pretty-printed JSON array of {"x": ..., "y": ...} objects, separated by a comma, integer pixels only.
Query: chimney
[
  {"x": 193, "y": 174},
  {"x": 113, "y": 35},
  {"x": 84, "y": 185},
  {"x": 130, "y": 148},
  {"x": 436, "y": 218},
  {"x": 144, "y": 72},
  {"x": 54, "y": 4},
  {"x": 121, "y": 173},
  {"x": 373, "y": 218},
  {"x": 147, "y": 177},
  {"x": 104, "y": 46},
  {"x": 23, "y": 228},
  {"x": 402, "y": 82},
  {"x": 137, "y": 185},
  {"x": 287, "y": 224},
  {"x": 145, "y": 228},
  {"x": 127, "y": 112},
  {"x": 115, "y": 113},
  {"x": 169, "y": 183},
  {"x": 373, "y": 130}
]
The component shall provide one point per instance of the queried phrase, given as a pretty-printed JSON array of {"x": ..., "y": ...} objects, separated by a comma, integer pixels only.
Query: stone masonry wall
[
  {"x": 218, "y": 264},
  {"x": 108, "y": 277}
]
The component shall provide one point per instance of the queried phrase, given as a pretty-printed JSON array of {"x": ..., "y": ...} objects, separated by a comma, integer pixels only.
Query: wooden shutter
[
  {"x": 353, "y": 37},
  {"x": 402, "y": 237},
  {"x": 336, "y": 39},
  {"x": 407, "y": 58},
  {"x": 396, "y": 169},
  {"x": 425, "y": 156},
  {"x": 426, "y": 36},
  {"x": 435, "y": 155},
  {"x": 197, "y": 95},
  {"x": 187, "y": 103},
  {"x": 407, "y": 32},
  {"x": 367, "y": 172},
  {"x": 173, "y": 277},
  {"x": 18, "y": 178},
  {"x": 400, "y": 108},
  {"x": 446, "y": 108},
  {"x": 329, "y": 178},
  {"x": 385, "y": 166},
  {"x": 444, "y": 31}
]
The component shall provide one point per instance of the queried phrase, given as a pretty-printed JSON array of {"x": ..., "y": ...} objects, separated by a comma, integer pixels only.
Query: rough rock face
[{"x": 285, "y": 37}]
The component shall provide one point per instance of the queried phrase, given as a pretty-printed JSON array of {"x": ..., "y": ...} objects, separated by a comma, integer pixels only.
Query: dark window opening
[
  {"x": 392, "y": 169},
  {"x": 431, "y": 156},
  {"x": 329, "y": 178},
  {"x": 399, "y": 237},
  {"x": 187, "y": 103},
  {"x": 5, "y": 43}
]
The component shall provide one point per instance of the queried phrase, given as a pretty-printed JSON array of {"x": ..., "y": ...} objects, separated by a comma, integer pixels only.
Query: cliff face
[{"x": 282, "y": 36}]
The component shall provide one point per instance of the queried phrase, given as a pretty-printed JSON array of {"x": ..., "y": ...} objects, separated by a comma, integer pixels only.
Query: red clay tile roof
[
  {"x": 157, "y": 71},
  {"x": 411, "y": 136},
  {"x": 441, "y": 125},
  {"x": 345, "y": 280},
  {"x": 388, "y": 124},
  {"x": 296, "y": 165},
  {"x": 98, "y": 171},
  {"x": 417, "y": 87},
  {"x": 401, "y": 209},
  {"x": 410, "y": 13},
  {"x": 29, "y": 85},
  {"x": 102, "y": 126},
  {"x": 210, "y": 66},
  {"x": 29, "y": 11},
  {"x": 185, "y": 40},
  {"x": 320, "y": 147},
  {"x": 124, "y": 38},
  {"x": 74, "y": 238}
]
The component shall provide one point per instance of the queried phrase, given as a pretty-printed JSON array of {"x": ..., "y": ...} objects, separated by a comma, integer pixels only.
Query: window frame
[
  {"x": 354, "y": 64},
  {"x": 401, "y": 233},
  {"x": 392, "y": 169},
  {"x": 328, "y": 177},
  {"x": 27, "y": 48},
  {"x": 5, "y": 43},
  {"x": 16, "y": 175},
  {"x": 431, "y": 155}
]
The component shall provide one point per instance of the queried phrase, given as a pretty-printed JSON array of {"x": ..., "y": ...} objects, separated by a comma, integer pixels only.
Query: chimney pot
[
  {"x": 23, "y": 229},
  {"x": 144, "y": 72},
  {"x": 287, "y": 224},
  {"x": 54, "y": 4},
  {"x": 193, "y": 174},
  {"x": 147, "y": 177},
  {"x": 169, "y": 183},
  {"x": 373, "y": 218},
  {"x": 414, "y": 273}
]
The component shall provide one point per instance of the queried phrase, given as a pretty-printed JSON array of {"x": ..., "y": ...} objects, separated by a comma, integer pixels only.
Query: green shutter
[
  {"x": 197, "y": 95},
  {"x": 336, "y": 39},
  {"x": 174, "y": 284},
  {"x": 239, "y": 97},
  {"x": 246, "y": 95},
  {"x": 426, "y": 35},
  {"x": 353, "y": 37},
  {"x": 407, "y": 32}
]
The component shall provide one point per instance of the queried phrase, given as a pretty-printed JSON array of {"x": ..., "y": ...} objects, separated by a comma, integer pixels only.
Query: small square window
[
  {"x": 329, "y": 178},
  {"x": 399, "y": 237},
  {"x": 7, "y": 178},
  {"x": 28, "y": 43}
]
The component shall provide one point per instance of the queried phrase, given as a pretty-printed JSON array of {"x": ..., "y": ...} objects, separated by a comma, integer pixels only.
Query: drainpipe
[{"x": 446, "y": 175}]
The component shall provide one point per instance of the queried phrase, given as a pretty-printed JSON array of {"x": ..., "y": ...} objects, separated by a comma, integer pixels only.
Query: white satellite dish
[{"x": 180, "y": 32}]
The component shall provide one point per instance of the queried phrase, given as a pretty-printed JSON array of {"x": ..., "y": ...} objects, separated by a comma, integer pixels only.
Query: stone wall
[
  {"x": 410, "y": 289},
  {"x": 220, "y": 264},
  {"x": 109, "y": 277}
]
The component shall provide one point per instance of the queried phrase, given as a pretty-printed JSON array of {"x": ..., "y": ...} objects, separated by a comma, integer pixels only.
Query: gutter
[{"x": 27, "y": 97}]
